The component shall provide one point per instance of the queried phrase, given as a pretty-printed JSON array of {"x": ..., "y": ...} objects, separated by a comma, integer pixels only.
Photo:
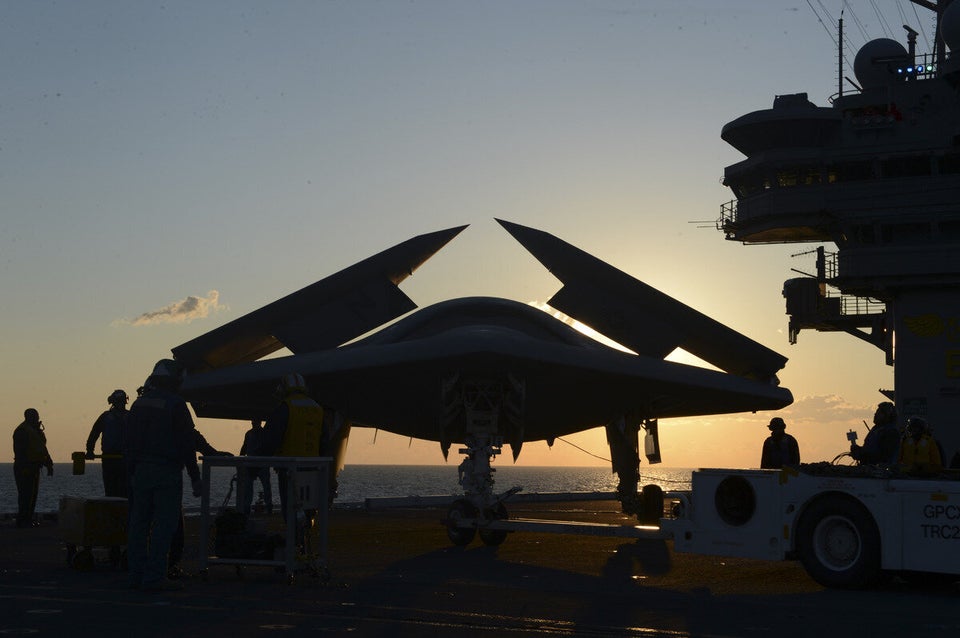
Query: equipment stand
[{"x": 307, "y": 493}]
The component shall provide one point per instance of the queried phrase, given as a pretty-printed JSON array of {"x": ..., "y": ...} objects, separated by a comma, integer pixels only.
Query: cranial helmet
[
  {"x": 293, "y": 382},
  {"x": 30, "y": 415},
  {"x": 917, "y": 426},
  {"x": 167, "y": 374},
  {"x": 118, "y": 397},
  {"x": 776, "y": 423},
  {"x": 886, "y": 413},
  {"x": 167, "y": 368}
]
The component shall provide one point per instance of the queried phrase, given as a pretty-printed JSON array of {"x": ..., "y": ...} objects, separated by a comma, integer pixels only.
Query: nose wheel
[
  {"x": 460, "y": 510},
  {"x": 494, "y": 537},
  {"x": 462, "y": 534}
]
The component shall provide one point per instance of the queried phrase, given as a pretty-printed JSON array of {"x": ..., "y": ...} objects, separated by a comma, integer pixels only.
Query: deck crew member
[
  {"x": 294, "y": 428},
  {"x": 109, "y": 428},
  {"x": 253, "y": 446},
  {"x": 779, "y": 449},
  {"x": 919, "y": 451},
  {"x": 174, "y": 571},
  {"x": 158, "y": 445},
  {"x": 29, "y": 455},
  {"x": 882, "y": 443}
]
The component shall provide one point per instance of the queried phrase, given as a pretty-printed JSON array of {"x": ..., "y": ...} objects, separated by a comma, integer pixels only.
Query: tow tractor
[{"x": 848, "y": 525}]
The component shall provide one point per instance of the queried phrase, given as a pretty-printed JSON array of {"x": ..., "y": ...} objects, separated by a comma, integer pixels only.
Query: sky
[{"x": 168, "y": 167}]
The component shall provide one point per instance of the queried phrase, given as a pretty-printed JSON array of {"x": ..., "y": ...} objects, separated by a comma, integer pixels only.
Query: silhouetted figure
[
  {"x": 881, "y": 446},
  {"x": 919, "y": 451},
  {"x": 158, "y": 445},
  {"x": 253, "y": 445},
  {"x": 779, "y": 449},
  {"x": 293, "y": 429},
  {"x": 109, "y": 428},
  {"x": 176, "y": 543},
  {"x": 29, "y": 455}
]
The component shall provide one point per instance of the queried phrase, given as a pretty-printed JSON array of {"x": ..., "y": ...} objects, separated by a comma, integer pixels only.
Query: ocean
[{"x": 358, "y": 482}]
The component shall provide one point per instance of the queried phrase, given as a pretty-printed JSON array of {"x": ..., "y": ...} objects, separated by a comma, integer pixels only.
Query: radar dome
[
  {"x": 950, "y": 26},
  {"x": 872, "y": 74}
]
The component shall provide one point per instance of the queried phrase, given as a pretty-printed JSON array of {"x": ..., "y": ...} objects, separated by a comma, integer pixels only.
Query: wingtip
[
  {"x": 517, "y": 231},
  {"x": 448, "y": 234}
]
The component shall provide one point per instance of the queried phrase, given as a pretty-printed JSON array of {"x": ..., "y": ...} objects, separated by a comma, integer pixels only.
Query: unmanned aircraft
[{"x": 479, "y": 372}]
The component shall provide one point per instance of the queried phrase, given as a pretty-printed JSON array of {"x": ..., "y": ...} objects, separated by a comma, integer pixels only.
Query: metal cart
[
  {"x": 86, "y": 523},
  {"x": 305, "y": 537}
]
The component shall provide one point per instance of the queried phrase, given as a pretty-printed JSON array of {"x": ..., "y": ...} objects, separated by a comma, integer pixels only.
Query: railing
[
  {"x": 923, "y": 68},
  {"x": 828, "y": 270},
  {"x": 728, "y": 216},
  {"x": 851, "y": 305}
]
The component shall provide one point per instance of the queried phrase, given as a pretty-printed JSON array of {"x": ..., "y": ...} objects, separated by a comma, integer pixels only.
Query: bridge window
[
  {"x": 915, "y": 166},
  {"x": 854, "y": 171},
  {"x": 787, "y": 178},
  {"x": 863, "y": 234},
  {"x": 950, "y": 164},
  {"x": 949, "y": 229},
  {"x": 912, "y": 232}
]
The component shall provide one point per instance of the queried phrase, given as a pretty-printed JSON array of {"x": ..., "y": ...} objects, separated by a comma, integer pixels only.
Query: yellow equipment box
[{"x": 88, "y": 522}]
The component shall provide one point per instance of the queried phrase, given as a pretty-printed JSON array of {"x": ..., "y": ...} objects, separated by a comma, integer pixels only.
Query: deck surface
[{"x": 395, "y": 573}]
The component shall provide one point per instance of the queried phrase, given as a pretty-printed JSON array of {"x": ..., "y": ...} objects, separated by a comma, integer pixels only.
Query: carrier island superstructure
[{"x": 874, "y": 180}]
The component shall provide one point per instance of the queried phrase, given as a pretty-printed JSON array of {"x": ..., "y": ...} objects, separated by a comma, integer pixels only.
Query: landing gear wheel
[
  {"x": 494, "y": 537},
  {"x": 83, "y": 560},
  {"x": 839, "y": 544},
  {"x": 461, "y": 536},
  {"x": 71, "y": 552}
]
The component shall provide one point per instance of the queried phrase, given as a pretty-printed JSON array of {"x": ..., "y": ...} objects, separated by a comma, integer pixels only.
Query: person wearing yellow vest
[
  {"x": 294, "y": 428},
  {"x": 919, "y": 451},
  {"x": 29, "y": 455}
]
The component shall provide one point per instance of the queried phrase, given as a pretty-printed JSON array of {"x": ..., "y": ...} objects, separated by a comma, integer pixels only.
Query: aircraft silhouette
[{"x": 482, "y": 371}]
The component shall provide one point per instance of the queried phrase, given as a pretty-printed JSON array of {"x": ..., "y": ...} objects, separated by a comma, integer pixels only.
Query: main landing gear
[{"x": 623, "y": 437}]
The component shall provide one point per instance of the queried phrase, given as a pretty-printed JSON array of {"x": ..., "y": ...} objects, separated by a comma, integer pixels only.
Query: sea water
[{"x": 356, "y": 482}]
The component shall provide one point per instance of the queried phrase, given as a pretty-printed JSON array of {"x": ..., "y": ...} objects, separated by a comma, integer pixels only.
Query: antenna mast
[
  {"x": 938, "y": 7},
  {"x": 840, "y": 56}
]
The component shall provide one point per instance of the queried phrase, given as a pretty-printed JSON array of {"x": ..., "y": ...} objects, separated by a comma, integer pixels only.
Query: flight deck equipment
[
  {"x": 848, "y": 525},
  {"x": 89, "y": 523},
  {"x": 307, "y": 517}
]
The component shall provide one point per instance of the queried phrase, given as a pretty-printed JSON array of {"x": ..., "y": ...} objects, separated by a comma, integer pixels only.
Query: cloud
[
  {"x": 829, "y": 408},
  {"x": 183, "y": 311}
]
